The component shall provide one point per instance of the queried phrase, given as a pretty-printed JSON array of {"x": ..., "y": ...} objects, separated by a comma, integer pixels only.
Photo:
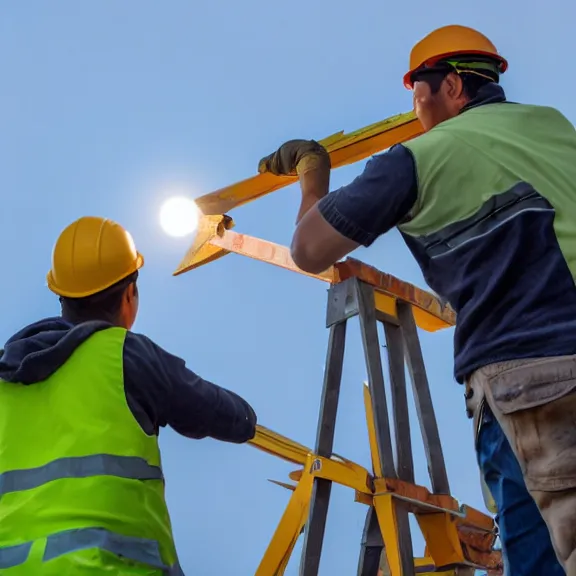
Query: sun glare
[{"x": 179, "y": 216}]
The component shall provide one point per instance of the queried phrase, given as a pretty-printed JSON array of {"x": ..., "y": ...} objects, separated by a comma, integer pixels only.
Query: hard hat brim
[
  {"x": 53, "y": 287},
  {"x": 503, "y": 63}
]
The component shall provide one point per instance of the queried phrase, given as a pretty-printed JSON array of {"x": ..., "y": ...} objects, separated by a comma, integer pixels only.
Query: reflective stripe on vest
[
  {"x": 137, "y": 549},
  {"x": 79, "y": 467},
  {"x": 495, "y": 212},
  {"x": 132, "y": 467}
]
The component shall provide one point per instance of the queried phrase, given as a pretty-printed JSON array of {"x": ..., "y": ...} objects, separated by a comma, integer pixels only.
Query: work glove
[{"x": 295, "y": 157}]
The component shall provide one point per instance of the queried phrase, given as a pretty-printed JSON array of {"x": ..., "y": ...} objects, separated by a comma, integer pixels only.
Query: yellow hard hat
[
  {"x": 451, "y": 41},
  {"x": 90, "y": 255}
]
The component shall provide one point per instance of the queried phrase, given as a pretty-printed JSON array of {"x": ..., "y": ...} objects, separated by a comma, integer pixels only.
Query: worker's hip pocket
[
  {"x": 524, "y": 384},
  {"x": 535, "y": 402}
]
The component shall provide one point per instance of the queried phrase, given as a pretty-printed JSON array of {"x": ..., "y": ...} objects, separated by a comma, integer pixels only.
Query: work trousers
[{"x": 533, "y": 403}]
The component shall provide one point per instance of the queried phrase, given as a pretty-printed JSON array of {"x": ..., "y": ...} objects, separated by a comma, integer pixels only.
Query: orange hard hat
[
  {"x": 451, "y": 41},
  {"x": 90, "y": 255}
]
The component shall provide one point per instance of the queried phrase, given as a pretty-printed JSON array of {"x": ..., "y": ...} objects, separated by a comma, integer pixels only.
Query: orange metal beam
[
  {"x": 426, "y": 306},
  {"x": 215, "y": 239},
  {"x": 227, "y": 241},
  {"x": 344, "y": 149}
]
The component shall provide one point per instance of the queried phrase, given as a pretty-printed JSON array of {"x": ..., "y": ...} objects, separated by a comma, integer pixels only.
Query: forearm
[
  {"x": 314, "y": 174},
  {"x": 200, "y": 408},
  {"x": 233, "y": 419}
]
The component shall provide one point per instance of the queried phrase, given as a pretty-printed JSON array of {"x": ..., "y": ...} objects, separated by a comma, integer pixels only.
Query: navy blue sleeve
[
  {"x": 161, "y": 391},
  {"x": 377, "y": 200}
]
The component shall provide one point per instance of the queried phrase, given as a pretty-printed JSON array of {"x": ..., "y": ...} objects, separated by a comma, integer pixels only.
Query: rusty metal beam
[
  {"x": 250, "y": 246},
  {"x": 215, "y": 239}
]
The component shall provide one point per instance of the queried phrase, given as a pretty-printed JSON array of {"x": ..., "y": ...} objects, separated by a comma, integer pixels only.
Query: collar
[{"x": 491, "y": 93}]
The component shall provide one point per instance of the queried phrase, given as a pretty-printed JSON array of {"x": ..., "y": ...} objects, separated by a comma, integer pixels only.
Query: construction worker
[
  {"x": 82, "y": 399},
  {"x": 485, "y": 199}
]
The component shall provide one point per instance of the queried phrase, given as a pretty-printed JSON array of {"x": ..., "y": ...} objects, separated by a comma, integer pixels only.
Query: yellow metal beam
[
  {"x": 203, "y": 249},
  {"x": 290, "y": 527},
  {"x": 280, "y": 446},
  {"x": 372, "y": 440},
  {"x": 386, "y": 512},
  {"x": 344, "y": 149}
]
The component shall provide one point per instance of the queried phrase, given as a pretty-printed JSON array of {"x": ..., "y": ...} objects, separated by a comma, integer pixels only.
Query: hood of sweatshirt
[{"x": 38, "y": 350}]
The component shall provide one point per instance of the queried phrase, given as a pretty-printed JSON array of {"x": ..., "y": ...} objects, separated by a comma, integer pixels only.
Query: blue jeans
[{"x": 526, "y": 546}]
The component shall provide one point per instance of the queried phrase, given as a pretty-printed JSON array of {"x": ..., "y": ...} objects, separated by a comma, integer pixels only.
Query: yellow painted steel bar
[
  {"x": 277, "y": 554},
  {"x": 280, "y": 446},
  {"x": 373, "y": 441},
  {"x": 344, "y": 149}
]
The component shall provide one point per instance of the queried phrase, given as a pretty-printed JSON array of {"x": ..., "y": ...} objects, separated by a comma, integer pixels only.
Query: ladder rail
[{"x": 314, "y": 535}]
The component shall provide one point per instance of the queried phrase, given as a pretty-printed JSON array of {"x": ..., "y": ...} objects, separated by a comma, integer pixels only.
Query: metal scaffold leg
[
  {"x": 398, "y": 540},
  {"x": 387, "y": 522},
  {"x": 314, "y": 533},
  {"x": 423, "y": 398}
]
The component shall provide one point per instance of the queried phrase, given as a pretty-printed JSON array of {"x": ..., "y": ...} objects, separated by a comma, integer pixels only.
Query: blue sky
[{"x": 107, "y": 108}]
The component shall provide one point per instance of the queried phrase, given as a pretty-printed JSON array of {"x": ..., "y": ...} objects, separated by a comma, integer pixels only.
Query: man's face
[{"x": 432, "y": 109}]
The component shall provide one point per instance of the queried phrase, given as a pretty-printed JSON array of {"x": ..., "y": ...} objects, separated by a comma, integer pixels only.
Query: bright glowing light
[{"x": 179, "y": 216}]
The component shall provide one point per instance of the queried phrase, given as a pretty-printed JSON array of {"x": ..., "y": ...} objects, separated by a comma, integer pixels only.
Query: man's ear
[
  {"x": 454, "y": 86},
  {"x": 133, "y": 291},
  {"x": 129, "y": 292}
]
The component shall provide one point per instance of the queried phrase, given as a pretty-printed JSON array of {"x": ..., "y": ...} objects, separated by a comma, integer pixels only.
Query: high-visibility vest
[
  {"x": 81, "y": 484},
  {"x": 485, "y": 165}
]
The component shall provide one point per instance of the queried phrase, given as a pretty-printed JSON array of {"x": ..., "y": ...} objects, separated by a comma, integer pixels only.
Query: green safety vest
[
  {"x": 81, "y": 484},
  {"x": 492, "y": 161}
]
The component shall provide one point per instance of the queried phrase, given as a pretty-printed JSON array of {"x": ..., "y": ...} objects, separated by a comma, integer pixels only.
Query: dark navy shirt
[
  {"x": 524, "y": 298},
  {"x": 160, "y": 389}
]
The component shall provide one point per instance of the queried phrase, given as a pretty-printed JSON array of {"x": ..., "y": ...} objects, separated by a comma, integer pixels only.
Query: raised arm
[{"x": 330, "y": 226}]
